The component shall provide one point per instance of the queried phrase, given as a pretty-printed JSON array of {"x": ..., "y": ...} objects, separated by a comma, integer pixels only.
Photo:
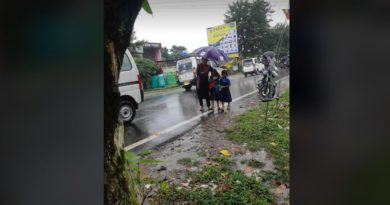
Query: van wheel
[
  {"x": 127, "y": 112},
  {"x": 245, "y": 74}
]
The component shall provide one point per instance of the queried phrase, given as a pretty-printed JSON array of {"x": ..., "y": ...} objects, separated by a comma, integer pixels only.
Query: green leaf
[
  {"x": 131, "y": 158},
  {"x": 135, "y": 168},
  {"x": 164, "y": 186},
  {"x": 149, "y": 161},
  {"x": 145, "y": 152},
  {"x": 146, "y": 7}
]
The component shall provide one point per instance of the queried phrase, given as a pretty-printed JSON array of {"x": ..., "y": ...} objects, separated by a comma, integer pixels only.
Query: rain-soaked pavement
[{"x": 162, "y": 111}]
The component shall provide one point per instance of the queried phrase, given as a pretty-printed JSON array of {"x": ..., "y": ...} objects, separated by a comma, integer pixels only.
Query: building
[{"x": 150, "y": 51}]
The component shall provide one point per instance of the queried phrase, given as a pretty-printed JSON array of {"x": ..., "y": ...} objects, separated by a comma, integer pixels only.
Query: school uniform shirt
[{"x": 225, "y": 95}]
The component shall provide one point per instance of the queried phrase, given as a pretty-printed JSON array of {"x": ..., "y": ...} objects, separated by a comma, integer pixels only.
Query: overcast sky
[{"x": 184, "y": 22}]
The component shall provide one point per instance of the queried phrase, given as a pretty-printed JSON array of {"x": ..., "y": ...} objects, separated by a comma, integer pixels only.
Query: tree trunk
[{"x": 119, "y": 18}]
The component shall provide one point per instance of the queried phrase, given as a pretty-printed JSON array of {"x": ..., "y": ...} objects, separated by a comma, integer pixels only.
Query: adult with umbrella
[
  {"x": 202, "y": 83},
  {"x": 203, "y": 70},
  {"x": 211, "y": 53},
  {"x": 269, "y": 58}
]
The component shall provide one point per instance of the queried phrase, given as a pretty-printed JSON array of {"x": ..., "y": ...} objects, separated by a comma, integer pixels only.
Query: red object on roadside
[
  {"x": 140, "y": 82},
  {"x": 211, "y": 84}
]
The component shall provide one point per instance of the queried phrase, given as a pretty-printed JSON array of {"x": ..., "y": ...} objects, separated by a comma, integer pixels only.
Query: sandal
[{"x": 201, "y": 109}]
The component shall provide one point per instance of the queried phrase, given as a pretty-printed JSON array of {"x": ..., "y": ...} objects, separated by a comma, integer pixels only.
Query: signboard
[
  {"x": 152, "y": 45},
  {"x": 224, "y": 37}
]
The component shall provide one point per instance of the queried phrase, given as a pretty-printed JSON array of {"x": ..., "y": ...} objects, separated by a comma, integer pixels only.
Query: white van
[
  {"x": 185, "y": 71},
  {"x": 130, "y": 88},
  {"x": 252, "y": 66}
]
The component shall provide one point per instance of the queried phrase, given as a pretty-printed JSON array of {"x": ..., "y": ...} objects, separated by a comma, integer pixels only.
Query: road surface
[{"x": 162, "y": 116}]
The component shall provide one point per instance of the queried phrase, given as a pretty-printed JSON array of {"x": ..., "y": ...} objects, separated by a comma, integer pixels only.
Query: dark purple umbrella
[{"x": 211, "y": 53}]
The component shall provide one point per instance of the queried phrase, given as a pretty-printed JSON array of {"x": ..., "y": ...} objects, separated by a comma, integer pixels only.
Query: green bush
[{"x": 146, "y": 68}]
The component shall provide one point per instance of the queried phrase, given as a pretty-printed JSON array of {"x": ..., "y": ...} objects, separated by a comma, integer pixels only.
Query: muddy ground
[{"x": 206, "y": 140}]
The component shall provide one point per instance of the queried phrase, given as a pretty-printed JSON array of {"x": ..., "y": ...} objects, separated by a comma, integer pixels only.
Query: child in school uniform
[
  {"x": 224, "y": 94},
  {"x": 214, "y": 88}
]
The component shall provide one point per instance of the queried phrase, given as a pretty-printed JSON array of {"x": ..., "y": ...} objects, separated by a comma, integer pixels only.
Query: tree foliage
[
  {"x": 252, "y": 25},
  {"x": 134, "y": 43},
  {"x": 279, "y": 36},
  {"x": 146, "y": 68},
  {"x": 165, "y": 53},
  {"x": 176, "y": 51}
]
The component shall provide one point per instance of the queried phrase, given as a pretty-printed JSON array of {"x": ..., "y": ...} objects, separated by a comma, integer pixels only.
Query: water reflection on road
[{"x": 161, "y": 111}]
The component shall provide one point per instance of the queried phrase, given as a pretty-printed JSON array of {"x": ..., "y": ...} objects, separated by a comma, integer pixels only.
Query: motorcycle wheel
[{"x": 264, "y": 91}]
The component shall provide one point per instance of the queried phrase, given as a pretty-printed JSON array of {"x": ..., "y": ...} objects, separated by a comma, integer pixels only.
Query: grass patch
[
  {"x": 232, "y": 187},
  {"x": 223, "y": 161},
  {"x": 188, "y": 162},
  {"x": 273, "y": 137}
]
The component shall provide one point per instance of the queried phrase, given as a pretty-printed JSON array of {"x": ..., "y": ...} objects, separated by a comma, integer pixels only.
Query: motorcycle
[{"x": 267, "y": 85}]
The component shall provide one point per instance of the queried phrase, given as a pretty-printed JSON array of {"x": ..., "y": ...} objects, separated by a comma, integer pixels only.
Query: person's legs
[
  {"x": 212, "y": 95},
  {"x": 208, "y": 101},
  {"x": 200, "y": 100},
  {"x": 228, "y": 107}
]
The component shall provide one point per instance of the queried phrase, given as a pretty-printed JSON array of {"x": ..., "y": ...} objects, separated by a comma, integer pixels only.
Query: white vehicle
[
  {"x": 130, "y": 88},
  {"x": 252, "y": 66},
  {"x": 185, "y": 71}
]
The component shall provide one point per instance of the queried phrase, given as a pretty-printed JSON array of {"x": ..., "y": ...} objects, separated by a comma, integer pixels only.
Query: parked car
[
  {"x": 252, "y": 66},
  {"x": 130, "y": 88}
]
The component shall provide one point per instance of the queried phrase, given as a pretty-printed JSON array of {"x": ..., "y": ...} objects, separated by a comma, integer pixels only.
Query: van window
[
  {"x": 126, "y": 64},
  {"x": 248, "y": 62},
  {"x": 185, "y": 66}
]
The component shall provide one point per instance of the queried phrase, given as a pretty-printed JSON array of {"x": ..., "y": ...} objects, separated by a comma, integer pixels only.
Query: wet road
[{"x": 165, "y": 112}]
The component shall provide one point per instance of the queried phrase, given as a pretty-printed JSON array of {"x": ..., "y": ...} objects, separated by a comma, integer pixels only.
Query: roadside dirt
[{"x": 205, "y": 141}]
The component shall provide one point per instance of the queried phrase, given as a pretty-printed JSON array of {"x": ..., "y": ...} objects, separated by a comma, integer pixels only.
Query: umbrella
[
  {"x": 270, "y": 54},
  {"x": 211, "y": 53}
]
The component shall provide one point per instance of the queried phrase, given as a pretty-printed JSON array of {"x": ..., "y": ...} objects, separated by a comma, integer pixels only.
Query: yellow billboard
[{"x": 224, "y": 37}]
